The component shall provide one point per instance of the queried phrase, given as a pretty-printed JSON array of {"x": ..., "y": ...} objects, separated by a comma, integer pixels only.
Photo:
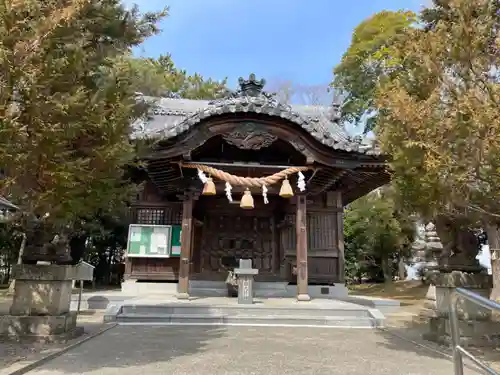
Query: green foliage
[
  {"x": 440, "y": 120},
  {"x": 376, "y": 233},
  {"x": 370, "y": 60},
  {"x": 10, "y": 241},
  {"x": 161, "y": 78},
  {"x": 66, "y": 103}
]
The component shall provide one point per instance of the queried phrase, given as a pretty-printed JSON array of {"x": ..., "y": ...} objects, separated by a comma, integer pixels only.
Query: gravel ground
[
  {"x": 232, "y": 350},
  {"x": 183, "y": 350},
  {"x": 12, "y": 352},
  {"x": 402, "y": 324}
]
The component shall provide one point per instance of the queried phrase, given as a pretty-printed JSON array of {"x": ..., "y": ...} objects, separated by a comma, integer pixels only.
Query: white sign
[
  {"x": 135, "y": 234},
  {"x": 159, "y": 242}
]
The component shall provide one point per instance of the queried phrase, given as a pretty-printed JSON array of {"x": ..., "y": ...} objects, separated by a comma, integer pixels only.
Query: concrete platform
[
  {"x": 202, "y": 288},
  {"x": 226, "y": 311},
  {"x": 386, "y": 306}
]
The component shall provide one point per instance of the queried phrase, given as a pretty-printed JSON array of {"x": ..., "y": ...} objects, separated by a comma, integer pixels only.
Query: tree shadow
[
  {"x": 134, "y": 346},
  {"x": 413, "y": 332}
]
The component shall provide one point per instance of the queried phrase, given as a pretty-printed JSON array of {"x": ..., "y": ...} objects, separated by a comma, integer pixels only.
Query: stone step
[
  {"x": 239, "y": 310},
  {"x": 249, "y": 320},
  {"x": 337, "y": 315}
]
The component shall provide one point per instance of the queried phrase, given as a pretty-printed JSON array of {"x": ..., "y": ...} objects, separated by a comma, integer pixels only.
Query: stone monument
[
  {"x": 40, "y": 309},
  {"x": 450, "y": 266},
  {"x": 418, "y": 260},
  {"x": 433, "y": 249},
  {"x": 245, "y": 275}
]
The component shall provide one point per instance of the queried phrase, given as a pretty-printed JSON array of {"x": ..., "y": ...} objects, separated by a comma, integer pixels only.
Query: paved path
[{"x": 193, "y": 350}]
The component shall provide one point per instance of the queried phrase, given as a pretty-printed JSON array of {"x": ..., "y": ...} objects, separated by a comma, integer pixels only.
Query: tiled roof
[
  {"x": 5, "y": 204},
  {"x": 173, "y": 117}
]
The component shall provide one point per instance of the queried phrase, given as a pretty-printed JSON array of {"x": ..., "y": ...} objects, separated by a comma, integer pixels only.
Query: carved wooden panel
[{"x": 236, "y": 235}]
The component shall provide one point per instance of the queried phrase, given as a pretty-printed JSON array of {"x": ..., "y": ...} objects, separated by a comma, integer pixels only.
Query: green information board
[
  {"x": 153, "y": 241},
  {"x": 176, "y": 241}
]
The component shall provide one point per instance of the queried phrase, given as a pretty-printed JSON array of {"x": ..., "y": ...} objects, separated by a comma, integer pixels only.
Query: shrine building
[{"x": 248, "y": 177}]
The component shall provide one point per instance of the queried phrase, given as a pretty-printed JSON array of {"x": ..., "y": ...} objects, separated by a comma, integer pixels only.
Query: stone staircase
[{"x": 342, "y": 315}]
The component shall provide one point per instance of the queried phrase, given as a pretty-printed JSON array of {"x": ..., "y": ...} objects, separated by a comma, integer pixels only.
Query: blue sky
[{"x": 293, "y": 40}]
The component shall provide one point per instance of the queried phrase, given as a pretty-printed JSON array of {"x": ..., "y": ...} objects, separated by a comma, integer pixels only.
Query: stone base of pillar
[
  {"x": 46, "y": 329},
  {"x": 303, "y": 297},
  {"x": 183, "y": 296},
  {"x": 40, "y": 308},
  {"x": 475, "y": 322},
  {"x": 472, "y": 332}
]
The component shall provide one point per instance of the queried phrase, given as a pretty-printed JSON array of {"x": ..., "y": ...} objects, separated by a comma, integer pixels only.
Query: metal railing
[{"x": 459, "y": 351}]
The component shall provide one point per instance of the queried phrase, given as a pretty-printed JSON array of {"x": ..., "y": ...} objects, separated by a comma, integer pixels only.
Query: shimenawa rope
[{"x": 246, "y": 181}]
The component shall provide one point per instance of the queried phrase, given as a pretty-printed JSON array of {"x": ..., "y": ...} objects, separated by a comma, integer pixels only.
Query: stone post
[{"x": 245, "y": 275}]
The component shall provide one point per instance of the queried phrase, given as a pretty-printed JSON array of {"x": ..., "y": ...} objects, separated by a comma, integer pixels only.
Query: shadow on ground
[
  {"x": 134, "y": 346},
  {"x": 413, "y": 331}
]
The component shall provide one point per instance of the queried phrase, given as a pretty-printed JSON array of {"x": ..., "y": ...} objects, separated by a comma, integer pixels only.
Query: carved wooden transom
[{"x": 249, "y": 140}]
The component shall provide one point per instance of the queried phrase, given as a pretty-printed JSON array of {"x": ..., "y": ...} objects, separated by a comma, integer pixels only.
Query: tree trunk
[
  {"x": 386, "y": 269},
  {"x": 110, "y": 268},
  {"x": 77, "y": 245},
  {"x": 401, "y": 269},
  {"x": 19, "y": 261},
  {"x": 493, "y": 232}
]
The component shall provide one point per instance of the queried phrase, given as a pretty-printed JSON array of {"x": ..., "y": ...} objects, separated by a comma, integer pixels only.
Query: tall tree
[
  {"x": 441, "y": 121},
  {"x": 161, "y": 78},
  {"x": 370, "y": 60},
  {"x": 377, "y": 234},
  {"x": 66, "y": 103}
]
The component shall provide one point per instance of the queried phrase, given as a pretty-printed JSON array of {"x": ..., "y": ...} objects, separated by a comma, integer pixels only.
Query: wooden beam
[
  {"x": 301, "y": 251},
  {"x": 186, "y": 241},
  {"x": 242, "y": 165}
]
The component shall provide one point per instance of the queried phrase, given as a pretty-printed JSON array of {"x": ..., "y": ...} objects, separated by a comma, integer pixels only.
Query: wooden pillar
[
  {"x": 340, "y": 236},
  {"x": 301, "y": 251},
  {"x": 275, "y": 247},
  {"x": 186, "y": 240}
]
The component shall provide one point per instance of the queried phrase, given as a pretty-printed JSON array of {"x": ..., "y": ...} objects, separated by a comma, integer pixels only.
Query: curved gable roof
[{"x": 173, "y": 117}]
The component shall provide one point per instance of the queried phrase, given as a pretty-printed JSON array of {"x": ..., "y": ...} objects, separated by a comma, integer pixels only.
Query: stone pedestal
[
  {"x": 41, "y": 304},
  {"x": 245, "y": 281},
  {"x": 474, "y": 321}
]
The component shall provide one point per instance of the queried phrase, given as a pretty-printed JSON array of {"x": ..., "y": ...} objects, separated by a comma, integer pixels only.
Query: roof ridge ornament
[
  {"x": 251, "y": 86},
  {"x": 251, "y": 89}
]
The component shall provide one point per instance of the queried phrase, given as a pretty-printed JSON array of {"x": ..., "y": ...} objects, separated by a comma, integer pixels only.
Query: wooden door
[{"x": 241, "y": 235}]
